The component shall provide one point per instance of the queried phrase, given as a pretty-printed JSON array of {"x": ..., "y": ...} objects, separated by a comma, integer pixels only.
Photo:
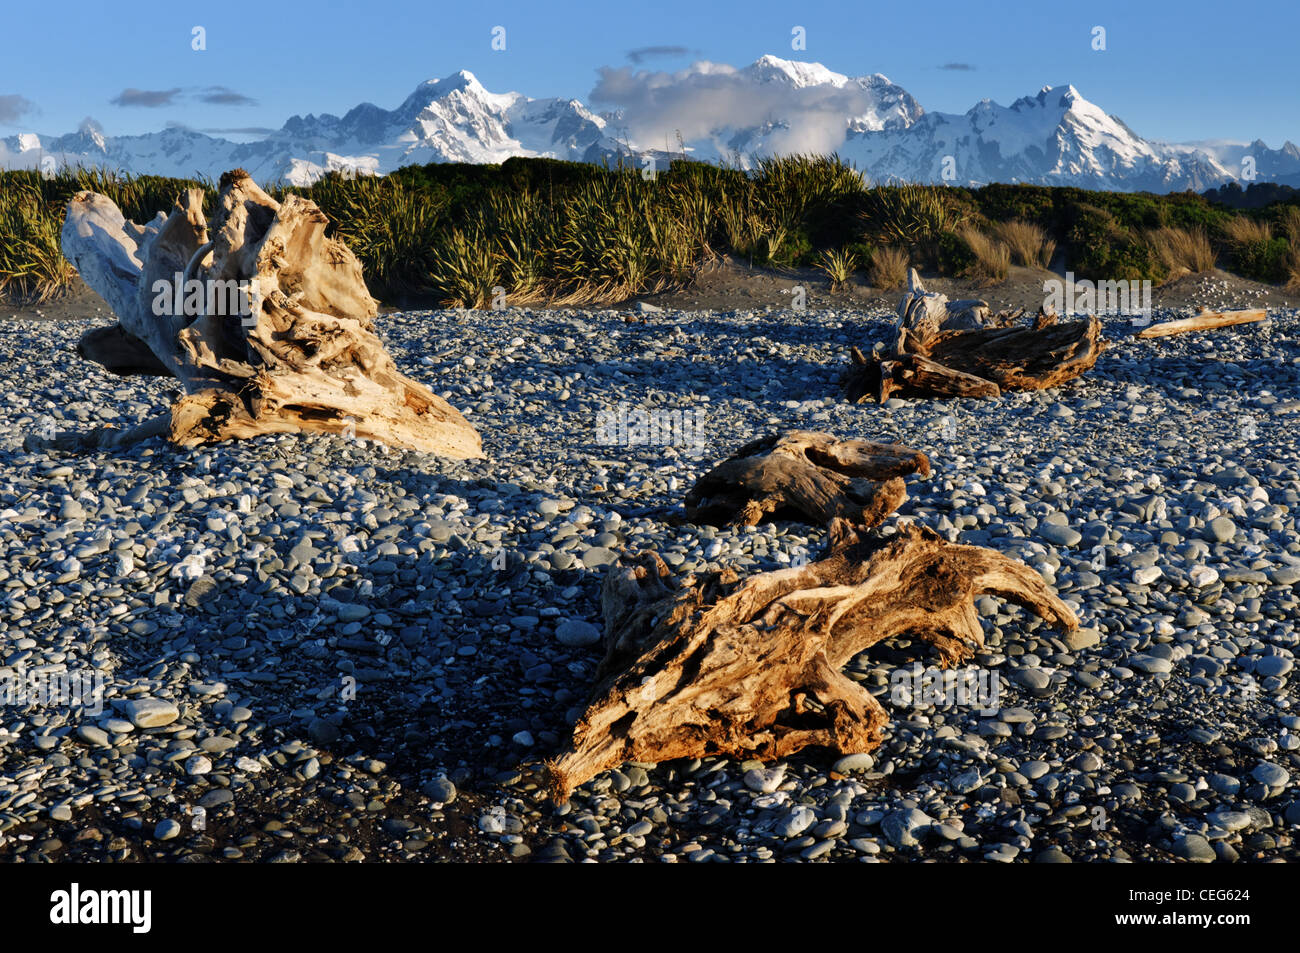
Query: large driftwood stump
[
  {"x": 803, "y": 475},
  {"x": 751, "y": 668},
  {"x": 293, "y": 349},
  {"x": 958, "y": 349}
]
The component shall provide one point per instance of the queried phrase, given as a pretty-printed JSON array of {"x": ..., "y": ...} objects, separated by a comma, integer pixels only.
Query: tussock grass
[
  {"x": 910, "y": 216},
  {"x": 1289, "y": 224},
  {"x": 1182, "y": 251},
  {"x": 1246, "y": 231},
  {"x": 395, "y": 231},
  {"x": 889, "y": 266},
  {"x": 1027, "y": 242},
  {"x": 992, "y": 257},
  {"x": 1292, "y": 265}
]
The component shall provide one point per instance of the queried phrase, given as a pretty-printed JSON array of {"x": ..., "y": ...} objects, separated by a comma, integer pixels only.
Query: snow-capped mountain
[
  {"x": 1251, "y": 161},
  {"x": 448, "y": 120},
  {"x": 711, "y": 112},
  {"x": 1054, "y": 138}
]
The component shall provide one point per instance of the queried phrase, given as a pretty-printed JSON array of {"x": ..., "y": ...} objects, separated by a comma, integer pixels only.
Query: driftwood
[
  {"x": 1205, "y": 321},
  {"x": 286, "y": 344},
  {"x": 751, "y": 668},
  {"x": 801, "y": 474},
  {"x": 955, "y": 349}
]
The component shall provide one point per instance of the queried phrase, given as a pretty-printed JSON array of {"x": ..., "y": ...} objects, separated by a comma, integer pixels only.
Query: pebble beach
[{"x": 320, "y": 648}]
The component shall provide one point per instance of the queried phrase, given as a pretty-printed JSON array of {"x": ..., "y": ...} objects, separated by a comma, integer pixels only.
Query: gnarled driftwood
[
  {"x": 299, "y": 352},
  {"x": 942, "y": 349},
  {"x": 751, "y": 668},
  {"x": 801, "y": 474}
]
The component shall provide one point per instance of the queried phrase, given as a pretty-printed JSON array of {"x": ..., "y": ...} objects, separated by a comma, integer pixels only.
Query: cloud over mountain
[{"x": 803, "y": 108}]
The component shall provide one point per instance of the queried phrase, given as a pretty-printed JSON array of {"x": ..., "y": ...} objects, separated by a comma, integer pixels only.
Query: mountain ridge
[{"x": 1054, "y": 137}]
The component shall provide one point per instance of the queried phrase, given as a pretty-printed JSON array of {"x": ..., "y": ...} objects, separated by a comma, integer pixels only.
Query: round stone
[
  {"x": 440, "y": 790},
  {"x": 1195, "y": 848},
  {"x": 1035, "y": 680},
  {"x": 576, "y": 633},
  {"x": 93, "y": 735},
  {"x": 1273, "y": 665},
  {"x": 1221, "y": 529},
  {"x": 167, "y": 829},
  {"x": 150, "y": 712},
  {"x": 1151, "y": 664},
  {"x": 1273, "y": 775}
]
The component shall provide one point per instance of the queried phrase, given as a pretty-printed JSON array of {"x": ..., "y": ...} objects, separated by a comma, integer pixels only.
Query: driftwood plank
[{"x": 1205, "y": 321}]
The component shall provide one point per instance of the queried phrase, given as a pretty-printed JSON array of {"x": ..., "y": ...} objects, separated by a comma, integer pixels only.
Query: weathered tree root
[
  {"x": 297, "y": 353},
  {"x": 801, "y": 474},
  {"x": 751, "y": 668},
  {"x": 954, "y": 349}
]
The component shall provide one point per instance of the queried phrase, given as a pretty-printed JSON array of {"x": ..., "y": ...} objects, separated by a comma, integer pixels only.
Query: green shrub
[
  {"x": 1099, "y": 248},
  {"x": 567, "y": 232},
  {"x": 1253, "y": 252},
  {"x": 32, "y": 268},
  {"x": 914, "y": 217},
  {"x": 954, "y": 256},
  {"x": 839, "y": 265},
  {"x": 1261, "y": 260}
]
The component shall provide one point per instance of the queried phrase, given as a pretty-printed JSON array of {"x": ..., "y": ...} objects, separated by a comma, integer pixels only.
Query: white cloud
[{"x": 699, "y": 100}]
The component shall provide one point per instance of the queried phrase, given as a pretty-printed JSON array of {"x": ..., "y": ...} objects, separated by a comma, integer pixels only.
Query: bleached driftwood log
[
  {"x": 938, "y": 352},
  {"x": 751, "y": 668},
  {"x": 299, "y": 352},
  {"x": 1205, "y": 321},
  {"x": 804, "y": 475}
]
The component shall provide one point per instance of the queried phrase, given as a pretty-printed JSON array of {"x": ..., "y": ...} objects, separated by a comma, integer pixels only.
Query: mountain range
[{"x": 771, "y": 107}]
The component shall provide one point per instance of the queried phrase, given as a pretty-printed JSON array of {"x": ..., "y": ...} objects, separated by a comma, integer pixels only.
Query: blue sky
[{"x": 1172, "y": 70}]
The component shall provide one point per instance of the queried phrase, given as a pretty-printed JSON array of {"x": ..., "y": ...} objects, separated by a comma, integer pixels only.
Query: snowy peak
[{"x": 770, "y": 69}]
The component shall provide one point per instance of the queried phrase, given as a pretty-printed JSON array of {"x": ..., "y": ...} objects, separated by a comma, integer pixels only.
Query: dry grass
[
  {"x": 992, "y": 257},
  {"x": 1290, "y": 224},
  {"x": 1182, "y": 251},
  {"x": 889, "y": 268},
  {"x": 1293, "y": 269},
  {"x": 1246, "y": 231},
  {"x": 1028, "y": 243}
]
